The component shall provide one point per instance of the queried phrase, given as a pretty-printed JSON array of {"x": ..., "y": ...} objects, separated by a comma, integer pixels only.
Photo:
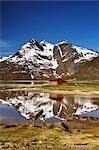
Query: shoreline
[
  {"x": 83, "y": 133},
  {"x": 67, "y": 92}
]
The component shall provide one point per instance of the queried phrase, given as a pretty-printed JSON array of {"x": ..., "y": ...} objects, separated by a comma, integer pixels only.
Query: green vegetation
[
  {"x": 73, "y": 86},
  {"x": 70, "y": 88},
  {"x": 49, "y": 136}
]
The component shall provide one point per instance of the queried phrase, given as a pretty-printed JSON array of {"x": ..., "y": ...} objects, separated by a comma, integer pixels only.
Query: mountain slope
[
  {"x": 88, "y": 70},
  {"x": 45, "y": 61}
]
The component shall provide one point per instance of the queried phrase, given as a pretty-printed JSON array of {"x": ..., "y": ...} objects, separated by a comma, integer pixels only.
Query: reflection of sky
[
  {"x": 54, "y": 106},
  {"x": 9, "y": 114},
  {"x": 94, "y": 113}
]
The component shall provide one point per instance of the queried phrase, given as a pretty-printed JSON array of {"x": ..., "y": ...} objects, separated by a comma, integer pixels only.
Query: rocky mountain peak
[
  {"x": 64, "y": 42},
  {"x": 44, "y": 42},
  {"x": 43, "y": 60},
  {"x": 33, "y": 41}
]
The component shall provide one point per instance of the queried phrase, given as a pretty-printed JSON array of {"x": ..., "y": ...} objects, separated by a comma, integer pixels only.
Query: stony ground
[{"x": 83, "y": 134}]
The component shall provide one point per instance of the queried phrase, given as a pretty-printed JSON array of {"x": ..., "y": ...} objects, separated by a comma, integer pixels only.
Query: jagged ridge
[{"x": 45, "y": 61}]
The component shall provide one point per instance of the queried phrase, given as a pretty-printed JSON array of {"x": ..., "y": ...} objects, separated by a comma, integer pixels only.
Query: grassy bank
[
  {"x": 49, "y": 136},
  {"x": 72, "y": 87},
  {"x": 69, "y": 88}
]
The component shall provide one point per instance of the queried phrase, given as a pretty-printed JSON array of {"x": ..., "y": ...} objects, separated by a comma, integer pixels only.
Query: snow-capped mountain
[
  {"x": 4, "y": 58},
  {"x": 84, "y": 54},
  {"x": 42, "y": 60},
  {"x": 37, "y": 54}
]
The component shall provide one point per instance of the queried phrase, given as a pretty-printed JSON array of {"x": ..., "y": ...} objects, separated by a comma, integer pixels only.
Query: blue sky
[{"x": 75, "y": 21}]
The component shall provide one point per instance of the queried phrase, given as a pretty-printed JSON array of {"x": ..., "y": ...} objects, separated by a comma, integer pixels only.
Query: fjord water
[{"x": 47, "y": 107}]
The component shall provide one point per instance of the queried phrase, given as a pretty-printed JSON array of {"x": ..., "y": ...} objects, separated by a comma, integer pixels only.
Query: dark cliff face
[
  {"x": 65, "y": 59},
  {"x": 11, "y": 71},
  {"x": 43, "y": 60},
  {"x": 88, "y": 70}
]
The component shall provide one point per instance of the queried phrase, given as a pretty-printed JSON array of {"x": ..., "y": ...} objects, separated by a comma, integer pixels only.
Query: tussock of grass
[{"x": 29, "y": 137}]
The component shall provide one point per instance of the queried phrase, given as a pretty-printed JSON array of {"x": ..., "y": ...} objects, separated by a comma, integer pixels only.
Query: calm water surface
[{"x": 24, "y": 106}]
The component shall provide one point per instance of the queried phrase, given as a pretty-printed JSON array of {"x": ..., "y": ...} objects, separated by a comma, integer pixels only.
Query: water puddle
[{"x": 45, "y": 107}]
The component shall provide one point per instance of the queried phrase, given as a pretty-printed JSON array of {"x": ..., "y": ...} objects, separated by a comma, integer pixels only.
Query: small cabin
[{"x": 57, "y": 82}]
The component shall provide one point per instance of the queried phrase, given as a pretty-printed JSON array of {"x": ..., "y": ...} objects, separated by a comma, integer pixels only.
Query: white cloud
[
  {"x": 7, "y": 47},
  {"x": 4, "y": 44}
]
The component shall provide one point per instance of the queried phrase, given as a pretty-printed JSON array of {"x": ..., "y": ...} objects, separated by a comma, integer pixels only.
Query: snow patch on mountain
[
  {"x": 84, "y": 54},
  {"x": 31, "y": 54},
  {"x": 64, "y": 60},
  {"x": 62, "y": 42},
  {"x": 5, "y": 58}
]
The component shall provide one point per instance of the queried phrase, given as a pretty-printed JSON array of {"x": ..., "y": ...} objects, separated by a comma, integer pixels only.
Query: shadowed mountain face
[
  {"x": 89, "y": 70},
  {"x": 43, "y": 60}
]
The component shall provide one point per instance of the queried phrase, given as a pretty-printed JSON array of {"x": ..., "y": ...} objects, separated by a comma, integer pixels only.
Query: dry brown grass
[{"x": 30, "y": 137}]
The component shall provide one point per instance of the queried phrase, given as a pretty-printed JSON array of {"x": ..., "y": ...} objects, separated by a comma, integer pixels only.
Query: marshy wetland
[{"x": 34, "y": 118}]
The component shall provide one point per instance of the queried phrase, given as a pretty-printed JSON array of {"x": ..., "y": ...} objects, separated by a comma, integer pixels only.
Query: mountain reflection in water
[{"x": 50, "y": 107}]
